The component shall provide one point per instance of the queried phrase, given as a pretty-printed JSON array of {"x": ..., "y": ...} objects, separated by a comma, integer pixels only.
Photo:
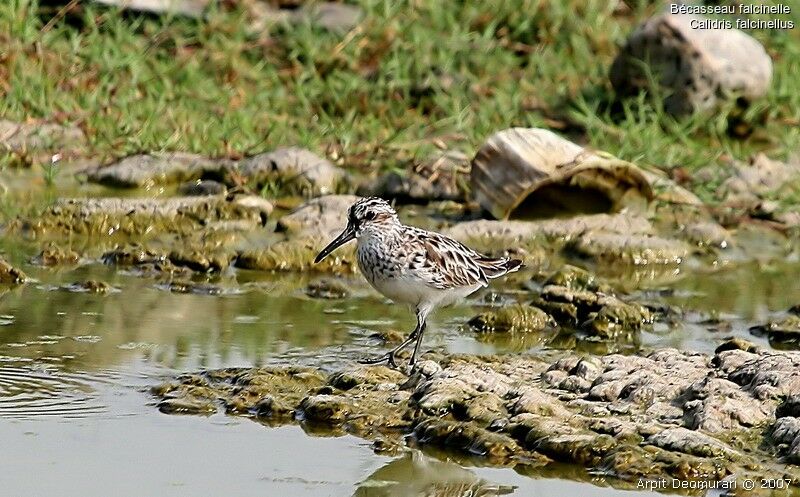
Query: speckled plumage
[{"x": 414, "y": 266}]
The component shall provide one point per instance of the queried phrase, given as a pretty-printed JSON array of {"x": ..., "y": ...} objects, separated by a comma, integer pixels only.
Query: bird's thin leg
[
  {"x": 390, "y": 356},
  {"x": 422, "y": 316}
]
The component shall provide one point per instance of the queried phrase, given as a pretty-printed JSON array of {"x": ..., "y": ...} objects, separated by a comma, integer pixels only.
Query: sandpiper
[{"x": 413, "y": 266}]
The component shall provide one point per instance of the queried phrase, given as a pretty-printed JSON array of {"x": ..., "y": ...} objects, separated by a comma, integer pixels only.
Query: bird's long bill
[{"x": 348, "y": 234}]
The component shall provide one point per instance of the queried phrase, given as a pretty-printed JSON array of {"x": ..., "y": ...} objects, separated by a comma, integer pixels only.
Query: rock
[
  {"x": 148, "y": 170},
  {"x": 602, "y": 316},
  {"x": 691, "y": 442},
  {"x": 202, "y": 259},
  {"x": 192, "y": 287},
  {"x": 144, "y": 216},
  {"x": 39, "y": 138},
  {"x": 539, "y": 240},
  {"x": 202, "y": 187},
  {"x": 188, "y": 8},
  {"x": 132, "y": 255},
  {"x": 369, "y": 376},
  {"x": 636, "y": 250},
  {"x": 576, "y": 278},
  {"x": 784, "y": 330},
  {"x": 512, "y": 319},
  {"x": 297, "y": 254},
  {"x": 697, "y": 68},
  {"x": 438, "y": 178},
  {"x": 326, "y": 216},
  {"x": 54, "y": 255},
  {"x": 532, "y": 172},
  {"x": 759, "y": 176},
  {"x": 90, "y": 286},
  {"x": 630, "y": 416},
  {"x": 9, "y": 275},
  {"x": 786, "y": 432},
  {"x": 327, "y": 289},
  {"x": 291, "y": 170},
  {"x": 708, "y": 234},
  {"x": 307, "y": 229},
  {"x": 332, "y": 16},
  {"x": 667, "y": 191}
]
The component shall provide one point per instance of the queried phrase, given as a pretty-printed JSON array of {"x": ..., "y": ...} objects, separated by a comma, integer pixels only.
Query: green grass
[{"x": 412, "y": 76}]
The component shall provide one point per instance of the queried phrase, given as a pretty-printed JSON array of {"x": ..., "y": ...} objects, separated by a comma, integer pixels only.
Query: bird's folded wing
[{"x": 445, "y": 263}]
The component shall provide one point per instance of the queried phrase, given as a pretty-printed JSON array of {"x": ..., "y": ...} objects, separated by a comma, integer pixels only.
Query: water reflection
[{"x": 417, "y": 475}]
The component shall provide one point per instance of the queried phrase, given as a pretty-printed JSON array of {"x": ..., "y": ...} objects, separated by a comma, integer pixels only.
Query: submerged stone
[
  {"x": 54, "y": 255},
  {"x": 327, "y": 289},
  {"x": 90, "y": 286}
]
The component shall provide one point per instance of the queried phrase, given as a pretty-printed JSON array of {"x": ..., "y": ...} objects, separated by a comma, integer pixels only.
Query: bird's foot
[{"x": 387, "y": 357}]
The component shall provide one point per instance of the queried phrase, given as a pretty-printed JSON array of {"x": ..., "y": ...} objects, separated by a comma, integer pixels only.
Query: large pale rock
[
  {"x": 532, "y": 172},
  {"x": 326, "y": 216},
  {"x": 146, "y": 170},
  {"x": 696, "y": 68},
  {"x": 189, "y": 8},
  {"x": 336, "y": 17},
  {"x": 39, "y": 137},
  {"x": 294, "y": 169}
]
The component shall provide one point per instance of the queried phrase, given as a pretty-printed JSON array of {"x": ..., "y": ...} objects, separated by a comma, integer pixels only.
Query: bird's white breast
[{"x": 386, "y": 268}]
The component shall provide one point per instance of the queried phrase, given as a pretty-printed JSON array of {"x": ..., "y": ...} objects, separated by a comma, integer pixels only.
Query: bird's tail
[{"x": 495, "y": 268}]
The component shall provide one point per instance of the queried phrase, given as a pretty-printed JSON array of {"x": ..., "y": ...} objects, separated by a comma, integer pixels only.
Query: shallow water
[{"x": 76, "y": 418}]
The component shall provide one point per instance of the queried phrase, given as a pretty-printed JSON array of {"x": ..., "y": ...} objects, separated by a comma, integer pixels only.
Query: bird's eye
[{"x": 369, "y": 216}]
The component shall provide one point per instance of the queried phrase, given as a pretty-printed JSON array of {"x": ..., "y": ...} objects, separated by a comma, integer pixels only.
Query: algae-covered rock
[
  {"x": 576, "y": 278},
  {"x": 691, "y": 442},
  {"x": 601, "y": 315},
  {"x": 9, "y": 275},
  {"x": 666, "y": 413},
  {"x": 55, "y": 255},
  {"x": 783, "y": 330},
  {"x": 90, "y": 286},
  {"x": 512, "y": 319},
  {"x": 201, "y": 259},
  {"x": 307, "y": 229},
  {"x": 468, "y": 438},
  {"x": 191, "y": 287},
  {"x": 144, "y": 216},
  {"x": 297, "y": 254},
  {"x": 369, "y": 376}
]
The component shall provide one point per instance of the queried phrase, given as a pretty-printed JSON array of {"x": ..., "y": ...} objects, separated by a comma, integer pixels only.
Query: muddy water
[{"x": 76, "y": 418}]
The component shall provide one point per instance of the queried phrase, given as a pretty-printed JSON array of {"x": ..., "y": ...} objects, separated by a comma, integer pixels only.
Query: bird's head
[{"x": 366, "y": 215}]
